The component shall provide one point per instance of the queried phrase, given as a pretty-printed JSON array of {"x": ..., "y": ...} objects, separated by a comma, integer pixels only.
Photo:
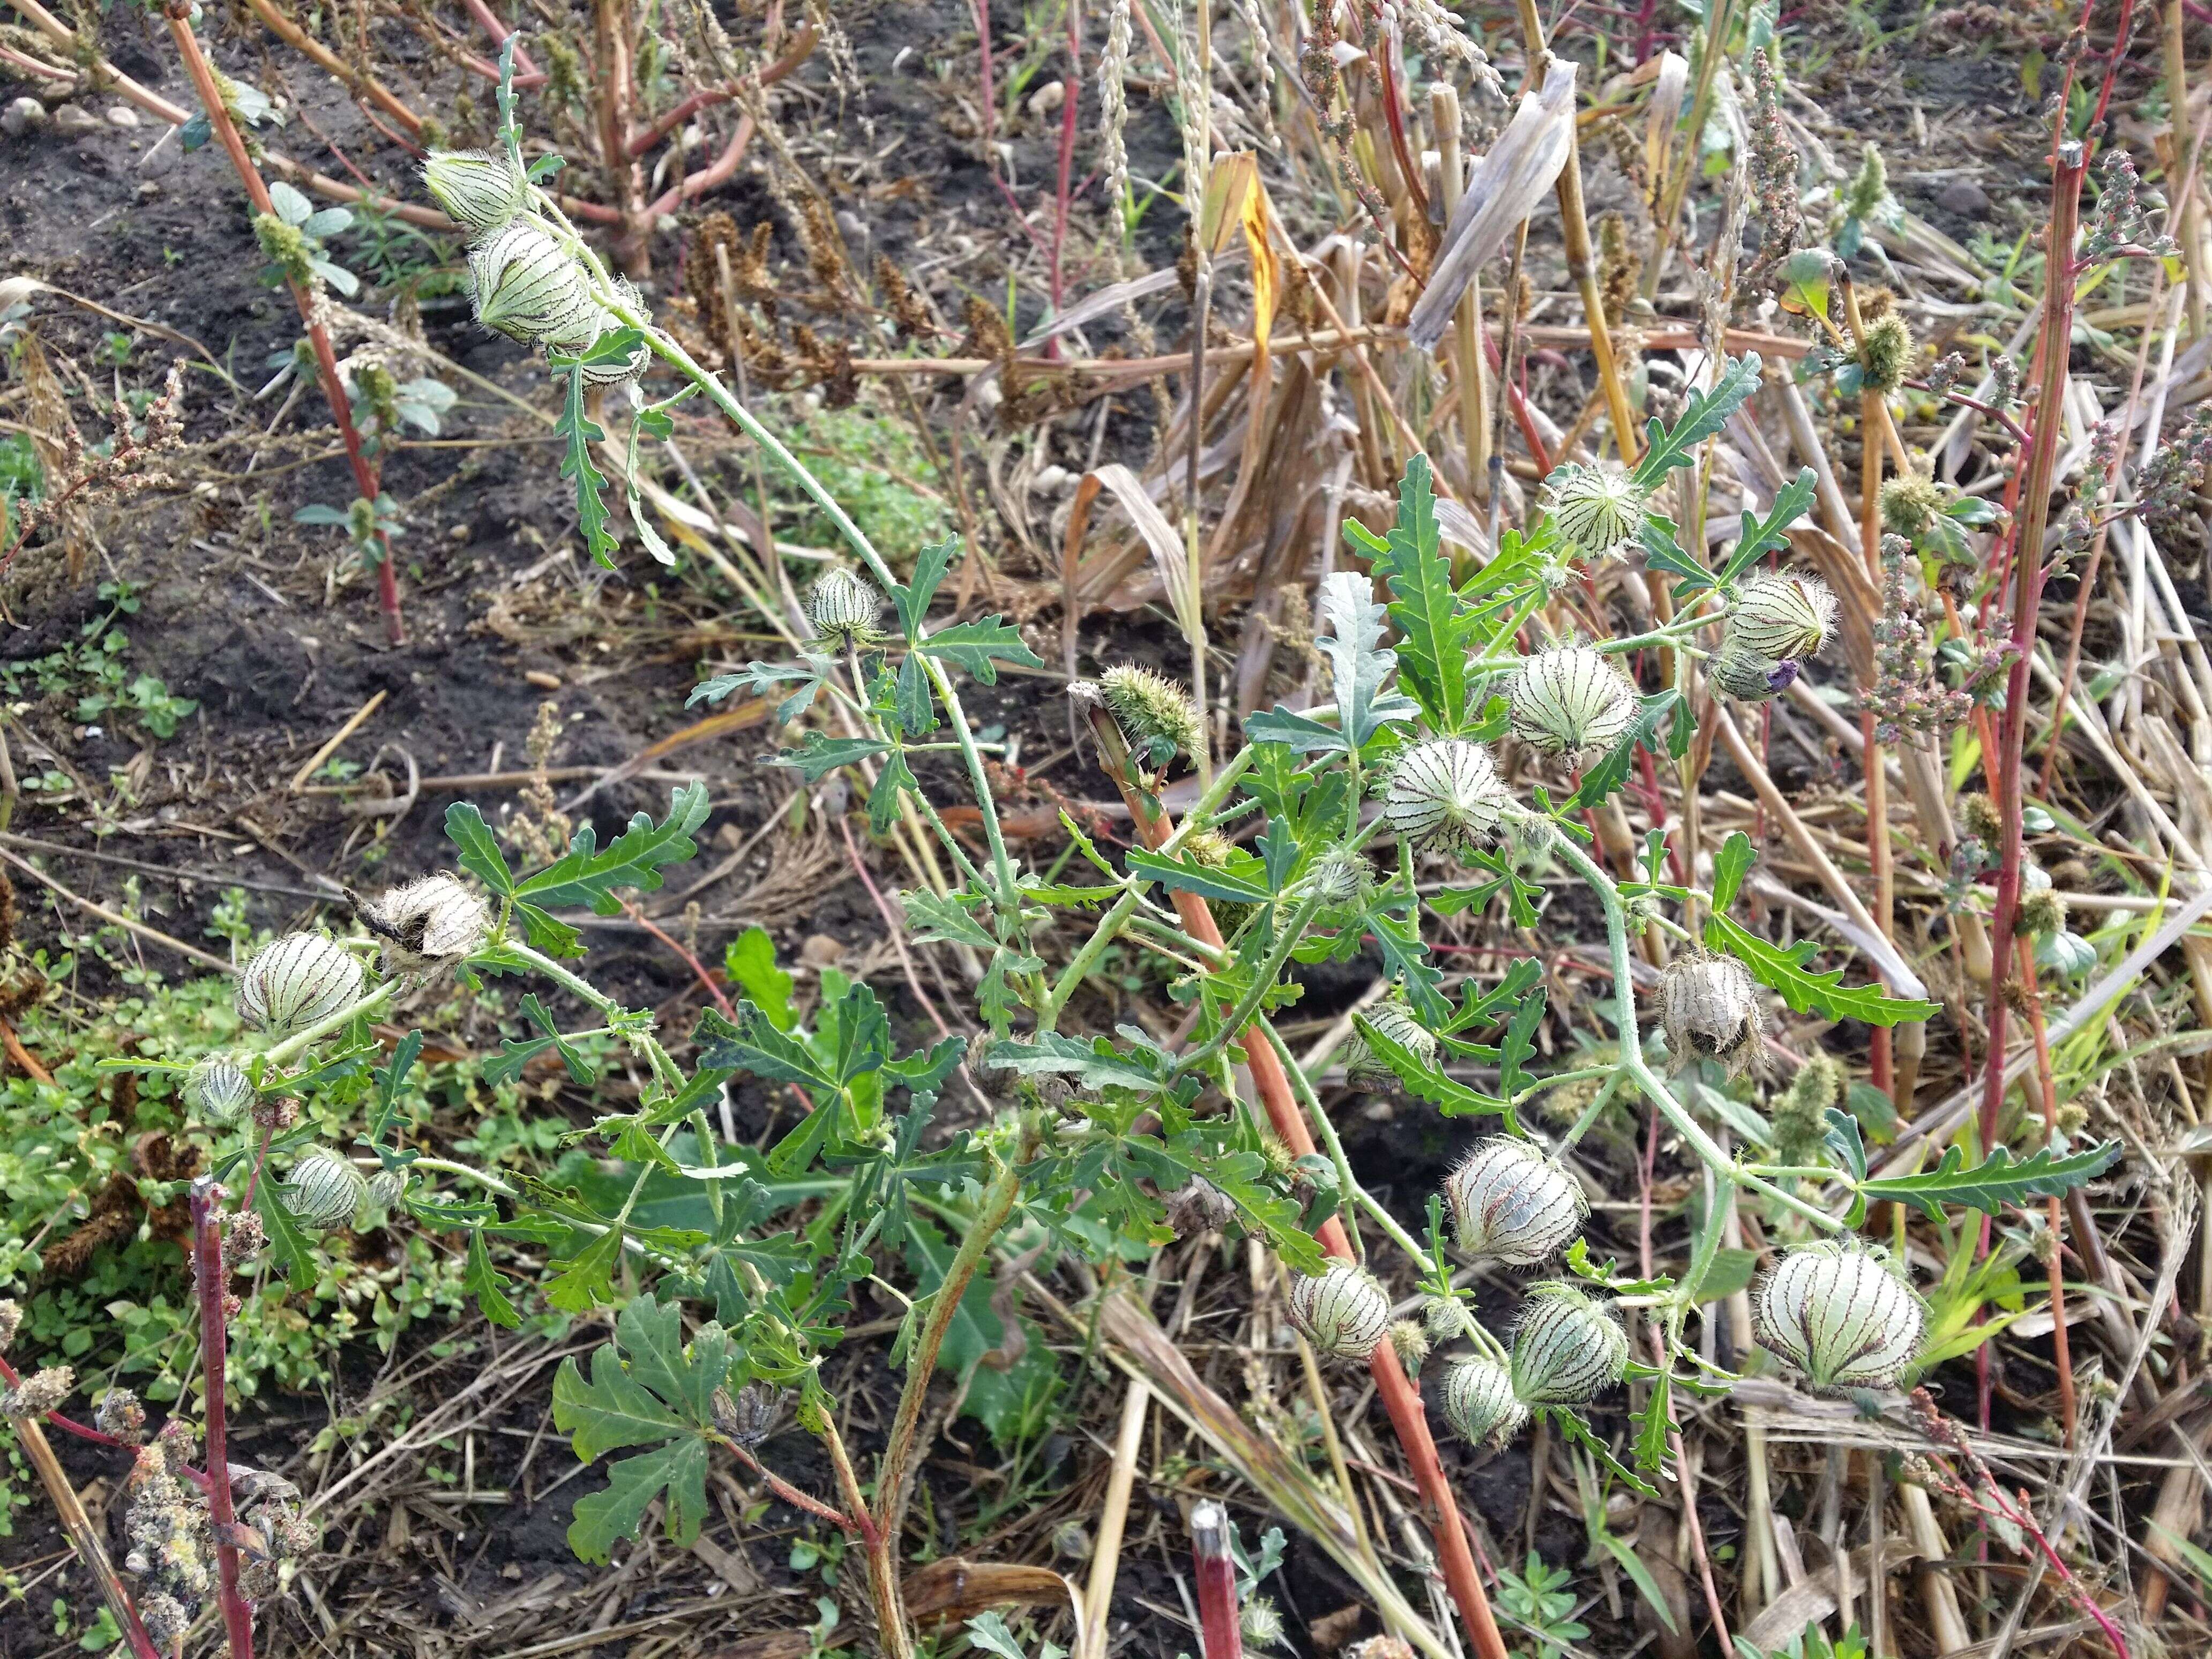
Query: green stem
[
  {"x": 1086, "y": 959},
  {"x": 277, "y": 1053},
  {"x": 1263, "y": 981}
]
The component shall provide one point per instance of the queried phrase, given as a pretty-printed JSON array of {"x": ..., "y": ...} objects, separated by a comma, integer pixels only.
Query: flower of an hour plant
[
  {"x": 217, "y": 1091},
  {"x": 300, "y": 980},
  {"x": 1571, "y": 698},
  {"x": 1566, "y": 1348},
  {"x": 1343, "y": 1312},
  {"x": 427, "y": 925},
  {"x": 1710, "y": 1007},
  {"x": 1509, "y": 1202},
  {"x": 1784, "y": 614},
  {"x": 1840, "y": 1312},
  {"x": 843, "y": 606},
  {"x": 1480, "y": 1401},
  {"x": 326, "y": 1188},
  {"x": 1739, "y": 672},
  {"x": 1597, "y": 510},
  {"x": 1446, "y": 796},
  {"x": 479, "y": 189},
  {"x": 1363, "y": 1068},
  {"x": 527, "y": 287}
]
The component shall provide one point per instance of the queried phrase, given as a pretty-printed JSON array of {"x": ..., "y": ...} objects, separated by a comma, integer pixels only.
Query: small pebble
[
  {"x": 123, "y": 116},
  {"x": 1048, "y": 98},
  {"x": 1053, "y": 480},
  {"x": 820, "y": 951},
  {"x": 541, "y": 680},
  {"x": 74, "y": 122},
  {"x": 460, "y": 532},
  {"x": 23, "y": 115},
  {"x": 1964, "y": 198},
  {"x": 148, "y": 189}
]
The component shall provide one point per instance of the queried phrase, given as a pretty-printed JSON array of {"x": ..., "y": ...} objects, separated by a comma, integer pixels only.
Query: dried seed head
[
  {"x": 386, "y": 1187},
  {"x": 1198, "y": 1206},
  {"x": 1410, "y": 1343},
  {"x": 1710, "y": 1007},
  {"x": 217, "y": 1091},
  {"x": 1445, "y": 796},
  {"x": 11, "y": 1320},
  {"x": 2042, "y": 913},
  {"x": 167, "y": 1622},
  {"x": 1365, "y": 1069},
  {"x": 1479, "y": 1403},
  {"x": 747, "y": 1416},
  {"x": 325, "y": 1189},
  {"x": 1343, "y": 1312},
  {"x": 1911, "y": 503},
  {"x": 1885, "y": 353},
  {"x": 1597, "y": 510},
  {"x": 843, "y": 606},
  {"x": 477, "y": 188},
  {"x": 1784, "y": 614},
  {"x": 120, "y": 1414},
  {"x": 426, "y": 926},
  {"x": 1507, "y": 1200},
  {"x": 1571, "y": 698},
  {"x": 1800, "y": 1115},
  {"x": 1260, "y": 1624},
  {"x": 527, "y": 288},
  {"x": 1156, "y": 716},
  {"x": 1566, "y": 1349},
  {"x": 40, "y": 1393},
  {"x": 1841, "y": 1313},
  {"x": 242, "y": 1241},
  {"x": 1738, "y": 670},
  {"x": 1978, "y": 816},
  {"x": 300, "y": 980}
]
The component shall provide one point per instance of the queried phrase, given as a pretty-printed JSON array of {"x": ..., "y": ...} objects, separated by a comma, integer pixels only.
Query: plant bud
[
  {"x": 1198, "y": 1206},
  {"x": 1841, "y": 1313},
  {"x": 1978, "y": 816},
  {"x": 217, "y": 1091},
  {"x": 1710, "y": 1007},
  {"x": 1213, "y": 849},
  {"x": 1571, "y": 698},
  {"x": 1784, "y": 614},
  {"x": 527, "y": 288},
  {"x": 1338, "y": 876},
  {"x": 1365, "y": 1069},
  {"x": 843, "y": 605},
  {"x": 1595, "y": 509},
  {"x": 1911, "y": 504},
  {"x": 1445, "y": 796},
  {"x": 1343, "y": 1312},
  {"x": 1739, "y": 672},
  {"x": 300, "y": 980},
  {"x": 326, "y": 1188},
  {"x": 1156, "y": 716},
  {"x": 477, "y": 188},
  {"x": 1260, "y": 1624},
  {"x": 1566, "y": 1349},
  {"x": 39, "y": 1393},
  {"x": 386, "y": 1187},
  {"x": 426, "y": 926},
  {"x": 1479, "y": 1403},
  {"x": 1507, "y": 1200},
  {"x": 1887, "y": 352},
  {"x": 1410, "y": 1343}
]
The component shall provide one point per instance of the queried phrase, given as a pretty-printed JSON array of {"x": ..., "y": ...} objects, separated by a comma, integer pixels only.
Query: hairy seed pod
[
  {"x": 1887, "y": 352},
  {"x": 1343, "y": 1312},
  {"x": 11, "y": 1321},
  {"x": 1710, "y": 1007},
  {"x": 1596, "y": 509},
  {"x": 604, "y": 322},
  {"x": 120, "y": 1414},
  {"x": 1479, "y": 1403},
  {"x": 385, "y": 1187},
  {"x": 326, "y": 1188},
  {"x": 477, "y": 188},
  {"x": 1445, "y": 796},
  {"x": 1365, "y": 1069},
  {"x": 1784, "y": 614},
  {"x": 300, "y": 980},
  {"x": 1216, "y": 851},
  {"x": 427, "y": 925},
  {"x": 1841, "y": 1313},
  {"x": 1739, "y": 672},
  {"x": 1155, "y": 714},
  {"x": 1260, "y": 1623},
  {"x": 1571, "y": 698},
  {"x": 1566, "y": 1348},
  {"x": 1338, "y": 876},
  {"x": 1410, "y": 1343},
  {"x": 527, "y": 288},
  {"x": 843, "y": 606},
  {"x": 1510, "y": 1202},
  {"x": 217, "y": 1091}
]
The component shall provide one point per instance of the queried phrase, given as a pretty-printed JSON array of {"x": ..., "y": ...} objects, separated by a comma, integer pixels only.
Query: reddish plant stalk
[
  {"x": 1074, "y": 87},
  {"x": 2027, "y": 598},
  {"x": 1220, "y": 1631},
  {"x": 178, "y": 13},
  {"x": 2060, "y": 1352},
  {"x": 210, "y": 1283},
  {"x": 1400, "y": 1397}
]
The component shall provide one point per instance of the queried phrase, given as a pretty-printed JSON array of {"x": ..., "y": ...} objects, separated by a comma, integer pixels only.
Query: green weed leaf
[
  {"x": 579, "y": 432},
  {"x": 1432, "y": 650},
  {"x": 1996, "y": 1181},
  {"x": 1707, "y": 414},
  {"x": 1809, "y": 992},
  {"x": 979, "y": 646},
  {"x": 478, "y": 848},
  {"x": 634, "y": 860}
]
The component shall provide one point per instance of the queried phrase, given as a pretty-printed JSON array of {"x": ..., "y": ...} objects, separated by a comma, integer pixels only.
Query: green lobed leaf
[
  {"x": 912, "y": 598},
  {"x": 979, "y": 646},
  {"x": 1353, "y": 641},
  {"x": 486, "y": 1283},
  {"x": 580, "y": 432},
  {"x": 602, "y": 1519},
  {"x": 1708, "y": 412},
  {"x": 1450, "y": 1096},
  {"x": 894, "y": 781},
  {"x": 817, "y": 756},
  {"x": 758, "y": 1047},
  {"x": 1432, "y": 648},
  {"x": 766, "y": 680},
  {"x": 1737, "y": 855},
  {"x": 938, "y": 919},
  {"x": 1185, "y": 874},
  {"x": 1809, "y": 992},
  {"x": 1997, "y": 1180},
  {"x": 634, "y": 860},
  {"x": 1096, "y": 1063},
  {"x": 1762, "y": 536},
  {"x": 1611, "y": 769},
  {"x": 586, "y": 1279},
  {"x": 478, "y": 847},
  {"x": 750, "y": 961}
]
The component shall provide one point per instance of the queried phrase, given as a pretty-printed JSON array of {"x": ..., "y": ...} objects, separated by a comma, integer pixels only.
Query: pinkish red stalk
[
  {"x": 210, "y": 1282},
  {"x": 1218, "y": 1628}
]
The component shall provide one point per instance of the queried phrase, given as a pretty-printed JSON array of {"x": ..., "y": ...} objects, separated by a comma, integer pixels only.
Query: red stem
[
  {"x": 209, "y": 1281},
  {"x": 1222, "y": 1633},
  {"x": 1074, "y": 86}
]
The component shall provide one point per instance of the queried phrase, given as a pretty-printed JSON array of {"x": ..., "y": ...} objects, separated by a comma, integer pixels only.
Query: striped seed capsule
[
  {"x": 1445, "y": 796},
  {"x": 217, "y": 1091},
  {"x": 527, "y": 288},
  {"x": 325, "y": 1189},
  {"x": 1509, "y": 1202},
  {"x": 605, "y": 322},
  {"x": 1363, "y": 1068},
  {"x": 1784, "y": 614},
  {"x": 1479, "y": 1403},
  {"x": 1571, "y": 698},
  {"x": 843, "y": 606},
  {"x": 1596, "y": 510},
  {"x": 1566, "y": 1349},
  {"x": 1739, "y": 672},
  {"x": 300, "y": 980},
  {"x": 477, "y": 188},
  {"x": 1710, "y": 1007},
  {"x": 427, "y": 925},
  {"x": 1343, "y": 1312},
  {"x": 1841, "y": 1313}
]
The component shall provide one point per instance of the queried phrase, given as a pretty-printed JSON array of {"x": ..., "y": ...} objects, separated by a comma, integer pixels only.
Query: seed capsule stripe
[
  {"x": 1840, "y": 1316},
  {"x": 527, "y": 288},
  {"x": 297, "y": 980},
  {"x": 1510, "y": 1201},
  {"x": 1571, "y": 698},
  {"x": 1478, "y": 1402},
  {"x": 1565, "y": 1351},
  {"x": 1785, "y": 614},
  {"x": 1448, "y": 791},
  {"x": 1343, "y": 1312}
]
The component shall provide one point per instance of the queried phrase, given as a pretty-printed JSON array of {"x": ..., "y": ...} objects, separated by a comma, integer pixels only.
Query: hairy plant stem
[{"x": 209, "y": 1284}]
